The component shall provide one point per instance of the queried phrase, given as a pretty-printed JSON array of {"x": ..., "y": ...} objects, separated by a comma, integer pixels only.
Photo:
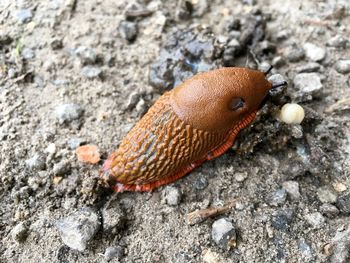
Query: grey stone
[
  {"x": 12, "y": 73},
  {"x": 61, "y": 168},
  {"x": 276, "y": 79},
  {"x": 132, "y": 100},
  {"x": 171, "y": 195},
  {"x": 329, "y": 210},
  {"x": 343, "y": 203},
  {"x": 282, "y": 219},
  {"x": 338, "y": 41},
  {"x": 341, "y": 246},
  {"x": 114, "y": 252},
  {"x": 309, "y": 83},
  {"x": 56, "y": 43},
  {"x": 343, "y": 66},
  {"x": 37, "y": 162},
  {"x": 316, "y": 220},
  {"x": 313, "y": 52},
  {"x": 278, "y": 197},
  {"x": 200, "y": 183},
  {"x": 24, "y": 15},
  {"x": 305, "y": 249},
  {"x": 86, "y": 55},
  {"x": 295, "y": 54},
  {"x": 113, "y": 217},
  {"x": 91, "y": 72},
  {"x": 68, "y": 112},
  {"x": 128, "y": 30},
  {"x": 309, "y": 67},
  {"x": 296, "y": 131},
  {"x": 326, "y": 195},
  {"x": 77, "y": 229},
  {"x": 74, "y": 143},
  {"x": 224, "y": 233},
  {"x": 28, "y": 53},
  {"x": 292, "y": 188},
  {"x": 278, "y": 61},
  {"x": 20, "y": 232}
]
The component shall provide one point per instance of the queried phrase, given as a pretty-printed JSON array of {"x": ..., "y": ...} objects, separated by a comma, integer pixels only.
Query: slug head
[{"x": 219, "y": 99}]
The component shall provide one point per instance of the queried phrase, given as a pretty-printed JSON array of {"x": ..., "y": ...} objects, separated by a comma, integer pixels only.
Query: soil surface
[{"x": 76, "y": 73}]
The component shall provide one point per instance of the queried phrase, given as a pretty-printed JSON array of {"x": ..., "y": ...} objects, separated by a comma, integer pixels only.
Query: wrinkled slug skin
[{"x": 180, "y": 130}]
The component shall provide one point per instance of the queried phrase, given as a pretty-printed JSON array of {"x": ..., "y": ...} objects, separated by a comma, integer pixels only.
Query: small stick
[{"x": 200, "y": 215}]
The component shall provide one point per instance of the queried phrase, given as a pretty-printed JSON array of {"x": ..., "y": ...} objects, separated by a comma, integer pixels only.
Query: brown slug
[{"x": 195, "y": 122}]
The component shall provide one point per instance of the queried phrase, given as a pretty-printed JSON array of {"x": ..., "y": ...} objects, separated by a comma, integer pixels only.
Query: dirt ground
[{"x": 76, "y": 72}]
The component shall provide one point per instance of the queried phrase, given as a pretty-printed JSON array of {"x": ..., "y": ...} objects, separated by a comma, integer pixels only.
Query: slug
[{"x": 194, "y": 122}]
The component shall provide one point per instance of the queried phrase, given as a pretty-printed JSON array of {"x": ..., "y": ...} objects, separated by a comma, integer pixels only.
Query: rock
[
  {"x": 24, "y": 15},
  {"x": 200, "y": 183},
  {"x": 20, "y": 232},
  {"x": 326, "y": 195},
  {"x": 240, "y": 176},
  {"x": 133, "y": 98},
  {"x": 309, "y": 67},
  {"x": 86, "y": 55},
  {"x": 113, "y": 217},
  {"x": 340, "y": 246},
  {"x": 91, "y": 72},
  {"x": 339, "y": 187},
  {"x": 305, "y": 249},
  {"x": 282, "y": 219},
  {"x": 210, "y": 257},
  {"x": 12, "y": 73},
  {"x": 343, "y": 66},
  {"x": 295, "y": 54},
  {"x": 114, "y": 252},
  {"x": 309, "y": 83},
  {"x": 314, "y": 53},
  {"x": 278, "y": 197},
  {"x": 88, "y": 154},
  {"x": 337, "y": 41},
  {"x": 56, "y": 43},
  {"x": 329, "y": 210},
  {"x": 61, "y": 168},
  {"x": 343, "y": 203},
  {"x": 128, "y": 30},
  {"x": 74, "y": 143},
  {"x": 278, "y": 61},
  {"x": 171, "y": 195},
  {"x": 316, "y": 220},
  {"x": 68, "y": 112},
  {"x": 79, "y": 228},
  {"x": 184, "y": 10},
  {"x": 224, "y": 233},
  {"x": 292, "y": 188},
  {"x": 28, "y": 53},
  {"x": 37, "y": 162},
  {"x": 276, "y": 79}
]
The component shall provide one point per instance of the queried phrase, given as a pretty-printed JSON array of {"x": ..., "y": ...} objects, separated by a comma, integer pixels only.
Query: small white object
[{"x": 292, "y": 113}]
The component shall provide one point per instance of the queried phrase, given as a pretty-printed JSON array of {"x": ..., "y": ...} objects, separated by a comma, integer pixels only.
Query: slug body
[{"x": 195, "y": 122}]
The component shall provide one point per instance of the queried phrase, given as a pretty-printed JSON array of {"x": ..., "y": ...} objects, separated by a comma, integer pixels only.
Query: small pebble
[
  {"x": 297, "y": 131},
  {"x": 24, "y": 15},
  {"x": 292, "y": 113},
  {"x": 305, "y": 249},
  {"x": 61, "y": 168},
  {"x": 308, "y": 82},
  {"x": 77, "y": 229},
  {"x": 338, "y": 41},
  {"x": 91, "y": 72},
  {"x": 339, "y": 248},
  {"x": 56, "y": 43},
  {"x": 20, "y": 232},
  {"x": 51, "y": 148},
  {"x": 224, "y": 233},
  {"x": 114, "y": 252},
  {"x": 88, "y": 154},
  {"x": 132, "y": 100},
  {"x": 86, "y": 55},
  {"x": 339, "y": 187},
  {"x": 315, "y": 219},
  {"x": 68, "y": 112},
  {"x": 200, "y": 183},
  {"x": 326, "y": 195},
  {"x": 171, "y": 195},
  {"x": 343, "y": 203},
  {"x": 292, "y": 188},
  {"x": 309, "y": 67},
  {"x": 329, "y": 210},
  {"x": 28, "y": 53},
  {"x": 282, "y": 219},
  {"x": 113, "y": 217},
  {"x": 313, "y": 52},
  {"x": 240, "y": 176},
  {"x": 12, "y": 73},
  {"x": 295, "y": 54},
  {"x": 37, "y": 162},
  {"x": 210, "y": 257},
  {"x": 128, "y": 30},
  {"x": 278, "y": 62},
  {"x": 343, "y": 66},
  {"x": 278, "y": 197}
]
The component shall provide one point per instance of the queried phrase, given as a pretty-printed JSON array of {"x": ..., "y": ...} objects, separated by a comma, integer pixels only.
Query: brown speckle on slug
[{"x": 196, "y": 121}]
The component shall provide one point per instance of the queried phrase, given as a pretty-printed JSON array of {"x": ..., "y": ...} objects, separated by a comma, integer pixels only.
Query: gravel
[
  {"x": 68, "y": 112},
  {"x": 343, "y": 203},
  {"x": 91, "y": 72},
  {"x": 20, "y": 232},
  {"x": 278, "y": 197},
  {"x": 343, "y": 66},
  {"x": 128, "y": 30},
  {"x": 315, "y": 219},
  {"x": 24, "y": 15},
  {"x": 37, "y": 162},
  {"x": 307, "y": 83},
  {"x": 314, "y": 52},
  {"x": 77, "y": 229},
  {"x": 171, "y": 195},
  {"x": 114, "y": 252},
  {"x": 326, "y": 195},
  {"x": 224, "y": 233},
  {"x": 292, "y": 189}
]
